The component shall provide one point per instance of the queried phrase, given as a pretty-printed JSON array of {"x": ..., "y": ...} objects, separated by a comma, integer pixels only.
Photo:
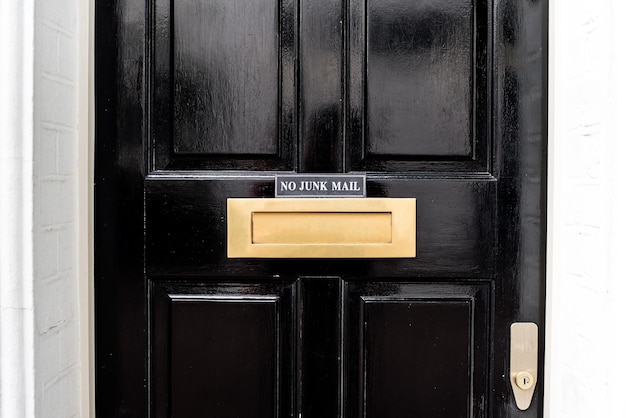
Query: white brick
[
  {"x": 67, "y": 247},
  {"x": 46, "y": 245},
  {"x": 58, "y": 201},
  {"x": 574, "y": 255},
  {"x": 57, "y": 102},
  {"x": 54, "y": 304},
  {"x": 47, "y": 192},
  {"x": 597, "y": 250},
  {"x": 47, "y": 60},
  {"x": 47, "y": 152},
  {"x": 60, "y": 397},
  {"x": 67, "y": 163},
  {"x": 59, "y": 12},
  {"x": 67, "y": 58},
  {"x": 58, "y": 352}
]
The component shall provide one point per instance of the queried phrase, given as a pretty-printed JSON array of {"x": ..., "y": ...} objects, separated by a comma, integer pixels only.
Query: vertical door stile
[{"x": 321, "y": 91}]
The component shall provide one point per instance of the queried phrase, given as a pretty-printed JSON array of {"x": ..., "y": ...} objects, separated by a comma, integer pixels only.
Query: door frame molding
[{"x": 85, "y": 176}]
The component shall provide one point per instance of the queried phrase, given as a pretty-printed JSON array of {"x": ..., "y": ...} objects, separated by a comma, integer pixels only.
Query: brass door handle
[{"x": 523, "y": 366}]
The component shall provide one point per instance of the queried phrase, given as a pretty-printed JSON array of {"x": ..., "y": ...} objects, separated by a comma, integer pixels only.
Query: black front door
[{"x": 198, "y": 101}]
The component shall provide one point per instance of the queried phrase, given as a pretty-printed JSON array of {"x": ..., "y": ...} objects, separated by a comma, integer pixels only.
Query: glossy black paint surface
[
  {"x": 417, "y": 349},
  {"x": 198, "y": 101},
  {"x": 419, "y": 56},
  {"x": 223, "y": 349},
  {"x": 455, "y": 234},
  {"x": 418, "y": 86},
  {"x": 222, "y": 87},
  {"x": 226, "y": 79},
  {"x": 320, "y": 87},
  {"x": 320, "y": 325}
]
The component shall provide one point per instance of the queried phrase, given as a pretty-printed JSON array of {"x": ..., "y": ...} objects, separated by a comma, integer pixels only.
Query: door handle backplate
[{"x": 523, "y": 367}]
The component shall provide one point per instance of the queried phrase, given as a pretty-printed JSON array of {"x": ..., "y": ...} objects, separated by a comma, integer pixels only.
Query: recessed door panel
[
  {"x": 417, "y": 84},
  {"x": 417, "y": 349},
  {"x": 223, "y": 91},
  {"x": 223, "y": 349},
  {"x": 226, "y": 80},
  {"x": 419, "y": 67}
]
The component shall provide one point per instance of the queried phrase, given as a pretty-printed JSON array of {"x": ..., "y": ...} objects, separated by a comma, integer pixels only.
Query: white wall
[
  {"x": 39, "y": 306},
  {"x": 55, "y": 129},
  {"x": 587, "y": 277}
]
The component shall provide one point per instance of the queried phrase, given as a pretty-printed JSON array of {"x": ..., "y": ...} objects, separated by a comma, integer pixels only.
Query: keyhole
[{"x": 524, "y": 380}]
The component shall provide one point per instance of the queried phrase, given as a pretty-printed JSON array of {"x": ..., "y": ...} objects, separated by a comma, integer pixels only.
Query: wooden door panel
[
  {"x": 223, "y": 87},
  {"x": 226, "y": 77},
  {"x": 417, "y": 349},
  {"x": 186, "y": 229},
  {"x": 417, "y": 85},
  {"x": 223, "y": 349},
  {"x": 228, "y": 349}
]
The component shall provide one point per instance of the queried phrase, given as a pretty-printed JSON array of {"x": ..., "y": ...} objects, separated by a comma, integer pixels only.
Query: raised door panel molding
[
  {"x": 418, "y": 87},
  {"x": 223, "y": 95}
]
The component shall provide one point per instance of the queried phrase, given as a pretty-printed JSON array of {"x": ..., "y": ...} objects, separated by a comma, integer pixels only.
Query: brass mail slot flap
[{"x": 321, "y": 228}]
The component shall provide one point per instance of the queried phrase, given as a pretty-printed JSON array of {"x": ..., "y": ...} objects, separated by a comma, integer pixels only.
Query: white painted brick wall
[
  {"x": 55, "y": 201},
  {"x": 587, "y": 312}
]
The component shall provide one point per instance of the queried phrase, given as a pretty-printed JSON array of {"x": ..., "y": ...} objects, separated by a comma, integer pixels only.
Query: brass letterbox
[{"x": 322, "y": 228}]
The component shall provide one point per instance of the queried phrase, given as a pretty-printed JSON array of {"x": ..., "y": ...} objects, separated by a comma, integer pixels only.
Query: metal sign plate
[{"x": 320, "y": 185}]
